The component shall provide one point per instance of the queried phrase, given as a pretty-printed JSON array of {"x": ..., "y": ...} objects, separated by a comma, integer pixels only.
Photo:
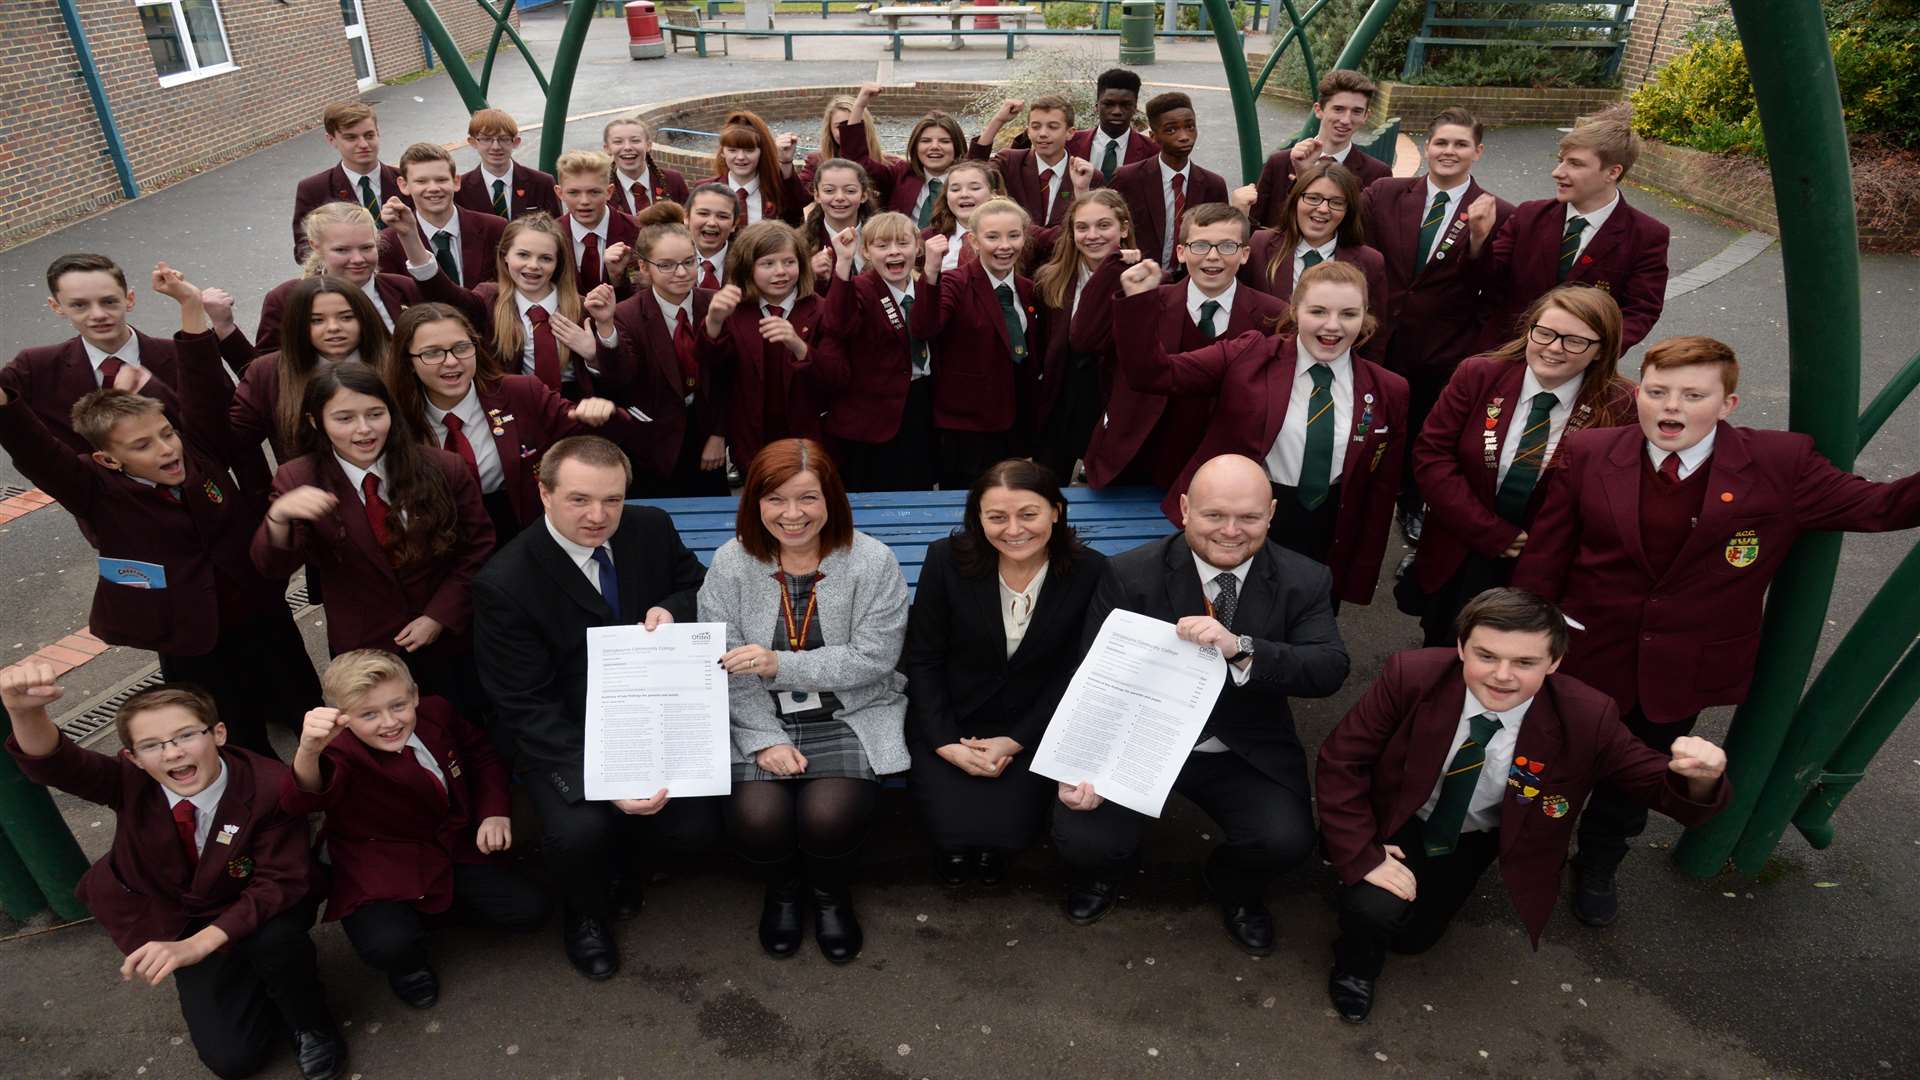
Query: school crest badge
[
  {"x": 1743, "y": 549},
  {"x": 241, "y": 867},
  {"x": 1555, "y": 806}
]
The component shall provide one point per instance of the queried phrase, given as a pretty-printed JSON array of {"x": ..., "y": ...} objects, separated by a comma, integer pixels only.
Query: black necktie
[
  {"x": 1228, "y": 600},
  {"x": 443, "y": 254},
  {"x": 500, "y": 198}
]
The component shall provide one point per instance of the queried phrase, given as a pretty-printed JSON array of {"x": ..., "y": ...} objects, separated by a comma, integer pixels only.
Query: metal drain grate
[
  {"x": 8, "y": 491},
  {"x": 83, "y": 725}
]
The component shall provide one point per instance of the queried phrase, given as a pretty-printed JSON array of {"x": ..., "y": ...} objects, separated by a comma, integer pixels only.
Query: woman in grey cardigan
[{"x": 816, "y": 615}]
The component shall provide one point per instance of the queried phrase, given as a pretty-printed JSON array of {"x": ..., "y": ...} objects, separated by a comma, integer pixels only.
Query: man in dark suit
[
  {"x": 1430, "y": 312},
  {"x": 1268, "y": 611},
  {"x": 1159, "y": 190},
  {"x": 1456, "y": 757},
  {"x": 1113, "y": 142},
  {"x": 1585, "y": 234},
  {"x": 592, "y": 562},
  {"x": 1345, "y": 99},
  {"x": 358, "y": 177},
  {"x": 1659, "y": 541},
  {"x": 465, "y": 243}
]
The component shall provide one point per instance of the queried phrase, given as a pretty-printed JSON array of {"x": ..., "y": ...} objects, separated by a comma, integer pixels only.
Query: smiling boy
[
  {"x": 464, "y": 243},
  {"x": 1659, "y": 541},
  {"x": 1037, "y": 178},
  {"x": 1344, "y": 100},
  {"x": 358, "y": 177},
  {"x": 207, "y": 880}
]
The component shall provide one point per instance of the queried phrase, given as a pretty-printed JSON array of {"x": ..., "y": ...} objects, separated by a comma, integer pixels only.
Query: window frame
[{"x": 195, "y": 70}]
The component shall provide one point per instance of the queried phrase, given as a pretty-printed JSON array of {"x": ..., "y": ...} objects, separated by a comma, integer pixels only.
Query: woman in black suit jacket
[{"x": 992, "y": 640}]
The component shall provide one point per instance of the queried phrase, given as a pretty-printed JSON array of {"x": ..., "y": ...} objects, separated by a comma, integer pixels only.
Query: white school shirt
[
  {"x": 1059, "y": 176},
  {"x": 1290, "y": 448},
  {"x": 356, "y": 476},
  {"x": 1196, "y": 298},
  {"x": 900, "y": 304},
  {"x": 951, "y": 261},
  {"x": 580, "y": 233},
  {"x": 372, "y": 292},
  {"x": 373, "y": 179},
  {"x": 206, "y": 803},
  {"x": 926, "y": 189},
  {"x": 1530, "y": 388},
  {"x": 428, "y": 231},
  {"x": 1166, "y": 201},
  {"x": 625, "y": 184},
  {"x": 1690, "y": 459},
  {"x": 128, "y": 353},
  {"x": 425, "y": 757},
  {"x": 582, "y": 556},
  {"x": 479, "y": 432},
  {"x": 1300, "y": 255},
  {"x": 756, "y": 208},
  {"x": 717, "y": 260},
  {"x": 1594, "y": 220},
  {"x": 506, "y": 192},
  {"x": 1483, "y": 810},
  {"x": 1097, "y": 150}
]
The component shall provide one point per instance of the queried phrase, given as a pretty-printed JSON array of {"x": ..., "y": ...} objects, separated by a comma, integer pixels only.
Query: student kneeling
[
  {"x": 417, "y": 806},
  {"x": 1453, "y": 759}
]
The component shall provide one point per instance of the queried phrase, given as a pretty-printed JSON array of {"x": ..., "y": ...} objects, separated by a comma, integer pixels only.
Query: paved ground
[{"x": 1731, "y": 978}]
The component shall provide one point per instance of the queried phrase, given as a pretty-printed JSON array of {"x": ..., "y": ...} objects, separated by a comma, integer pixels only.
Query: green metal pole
[
  {"x": 1246, "y": 117},
  {"x": 443, "y": 43},
  {"x": 19, "y": 896},
  {"x": 1838, "y": 694},
  {"x": 500, "y": 26},
  {"x": 39, "y": 835},
  {"x": 1849, "y": 763},
  {"x": 1890, "y": 397},
  {"x": 1356, "y": 49},
  {"x": 1806, "y": 138},
  {"x": 566, "y": 61}
]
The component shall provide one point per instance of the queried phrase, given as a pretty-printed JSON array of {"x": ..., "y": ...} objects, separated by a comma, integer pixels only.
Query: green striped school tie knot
[
  {"x": 1510, "y": 502},
  {"x": 1430, "y": 228}
]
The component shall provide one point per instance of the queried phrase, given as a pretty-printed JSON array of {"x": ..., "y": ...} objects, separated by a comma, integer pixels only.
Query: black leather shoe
[
  {"x": 954, "y": 867},
  {"x": 590, "y": 946},
  {"x": 1352, "y": 996},
  {"x": 322, "y": 1054},
  {"x": 1412, "y": 523},
  {"x": 1088, "y": 902},
  {"x": 835, "y": 926},
  {"x": 1250, "y": 926},
  {"x": 990, "y": 866},
  {"x": 1595, "y": 901},
  {"x": 420, "y": 989},
  {"x": 780, "y": 929}
]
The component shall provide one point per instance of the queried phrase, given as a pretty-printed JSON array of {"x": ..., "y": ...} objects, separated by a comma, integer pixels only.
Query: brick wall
[
  {"x": 53, "y": 159},
  {"x": 395, "y": 36},
  {"x": 1657, "y": 28},
  {"x": 704, "y": 113},
  {"x": 1733, "y": 188}
]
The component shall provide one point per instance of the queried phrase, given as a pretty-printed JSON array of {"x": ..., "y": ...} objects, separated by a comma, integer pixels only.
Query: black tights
[{"x": 822, "y": 820}]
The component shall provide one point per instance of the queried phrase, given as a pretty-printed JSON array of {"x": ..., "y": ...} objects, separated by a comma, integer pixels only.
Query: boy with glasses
[
  {"x": 207, "y": 880},
  {"x": 500, "y": 185}
]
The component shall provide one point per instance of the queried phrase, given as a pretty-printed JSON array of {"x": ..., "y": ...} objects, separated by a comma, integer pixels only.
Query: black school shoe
[
  {"x": 990, "y": 866},
  {"x": 590, "y": 947},
  {"x": 322, "y": 1055},
  {"x": 1596, "y": 902},
  {"x": 1089, "y": 901},
  {"x": 419, "y": 989},
  {"x": 955, "y": 868},
  {"x": 1352, "y": 996},
  {"x": 835, "y": 926},
  {"x": 780, "y": 929}
]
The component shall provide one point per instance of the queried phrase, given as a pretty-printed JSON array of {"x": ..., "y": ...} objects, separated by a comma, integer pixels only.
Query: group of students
[{"x": 854, "y": 321}]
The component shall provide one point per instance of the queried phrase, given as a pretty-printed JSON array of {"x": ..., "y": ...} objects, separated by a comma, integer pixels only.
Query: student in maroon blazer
[
  {"x": 843, "y": 199},
  {"x": 1113, "y": 142},
  {"x": 223, "y": 908},
  {"x": 1323, "y": 225},
  {"x": 758, "y": 168},
  {"x": 500, "y": 185},
  {"x": 1146, "y": 438},
  {"x": 418, "y": 813},
  {"x": 637, "y": 182},
  {"x": 913, "y": 185},
  {"x": 173, "y": 535},
  {"x": 358, "y": 177},
  {"x": 1585, "y": 234},
  {"x": 340, "y": 325},
  {"x": 983, "y": 377},
  {"x": 1345, "y": 98},
  {"x": 1414, "y": 805},
  {"x": 1167, "y": 179},
  {"x": 1262, "y": 412},
  {"x": 1482, "y": 458},
  {"x": 347, "y": 245},
  {"x": 651, "y": 362},
  {"x": 756, "y": 328},
  {"x": 473, "y": 238},
  {"x": 392, "y": 531},
  {"x": 1660, "y": 540},
  {"x": 498, "y": 424},
  {"x": 602, "y": 237},
  {"x": 867, "y": 368},
  {"x": 1077, "y": 296},
  {"x": 1049, "y": 122}
]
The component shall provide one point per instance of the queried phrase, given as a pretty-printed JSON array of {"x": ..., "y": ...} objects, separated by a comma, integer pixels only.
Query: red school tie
[
  {"x": 589, "y": 263},
  {"x": 457, "y": 443},
  {"x": 707, "y": 278},
  {"x": 741, "y": 195},
  {"x": 1179, "y": 184},
  {"x": 1046, "y": 188},
  {"x": 183, "y": 825},
  {"x": 640, "y": 199},
  {"x": 683, "y": 348},
  {"x": 110, "y": 370},
  {"x": 376, "y": 508},
  {"x": 546, "y": 350},
  {"x": 1670, "y": 469}
]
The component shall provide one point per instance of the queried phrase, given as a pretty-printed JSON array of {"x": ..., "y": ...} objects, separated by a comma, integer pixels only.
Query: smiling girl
[
  {"x": 912, "y": 187},
  {"x": 843, "y": 198},
  {"x": 328, "y": 319},
  {"x": 1330, "y": 426},
  {"x": 1072, "y": 389},
  {"x": 969, "y": 185},
  {"x": 757, "y": 166},
  {"x": 757, "y": 328}
]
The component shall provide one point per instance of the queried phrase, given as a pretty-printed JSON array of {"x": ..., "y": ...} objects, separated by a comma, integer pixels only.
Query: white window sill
[{"x": 197, "y": 75}]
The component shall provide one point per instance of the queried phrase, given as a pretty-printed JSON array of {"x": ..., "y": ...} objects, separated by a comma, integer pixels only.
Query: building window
[{"x": 186, "y": 39}]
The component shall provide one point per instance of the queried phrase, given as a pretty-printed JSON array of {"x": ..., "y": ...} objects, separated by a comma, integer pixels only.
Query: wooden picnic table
[
  {"x": 1109, "y": 521},
  {"x": 953, "y": 13}
]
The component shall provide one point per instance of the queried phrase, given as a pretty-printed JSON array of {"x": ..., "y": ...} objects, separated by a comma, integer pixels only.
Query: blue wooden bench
[{"x": 1110, "y": 521}]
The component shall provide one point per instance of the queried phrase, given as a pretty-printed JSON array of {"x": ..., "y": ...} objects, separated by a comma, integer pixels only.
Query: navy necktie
[{"x": 609, "y": 582}]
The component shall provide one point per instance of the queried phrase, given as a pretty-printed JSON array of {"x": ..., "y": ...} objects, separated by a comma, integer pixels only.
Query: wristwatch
[{"x": 1245, "y": 645}]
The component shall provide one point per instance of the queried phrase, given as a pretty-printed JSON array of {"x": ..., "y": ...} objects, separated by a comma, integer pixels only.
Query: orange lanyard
[{"x": 797, "y": 640}]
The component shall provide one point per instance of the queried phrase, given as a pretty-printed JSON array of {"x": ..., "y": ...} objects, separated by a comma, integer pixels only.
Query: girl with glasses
[{"x": 1321, "y": 222}]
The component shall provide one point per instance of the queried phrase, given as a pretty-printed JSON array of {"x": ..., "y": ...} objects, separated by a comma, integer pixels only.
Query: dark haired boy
[
  {"x": 1344, "y": 100},
  {"x": 1037, "y": 177},
  {"x": 358, "y": 177},
  {"x": 207, "y": 880},
  {"x": 464, "y": 242},
  {"x": 173, "y": 533},
  {"x": 1113, "y": 142},
  {"x": 1456, "y": 758},
  {"x": 1159, "y": 190}
]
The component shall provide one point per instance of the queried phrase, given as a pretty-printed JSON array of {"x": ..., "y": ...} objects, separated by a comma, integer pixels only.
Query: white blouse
[{"x": 1016, "y": 608}]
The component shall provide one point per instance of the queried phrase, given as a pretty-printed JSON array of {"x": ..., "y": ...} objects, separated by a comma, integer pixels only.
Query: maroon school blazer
[
  {"x": 1627, "y": 258},
  {"x": 533, "y": 192},
  {"x": 1430, "y": 316},
  {"x": 973, "y": 369},
  {"x": 740, "y": 365}
]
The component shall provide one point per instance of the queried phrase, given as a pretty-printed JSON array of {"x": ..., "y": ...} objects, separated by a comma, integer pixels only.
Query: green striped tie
[
  {"x": 1316, "y": 464},
  {"x": 932, "y": 199},
  {"x": 1310, "y": 260},
  {"x": 1010, "y": 311},
  {"x": 1510, "y": 501},
  {"x": 368, "y": 200},
  {"x": 1570, "y": 245},
  {"x": 500, "y": 198},
  {"x": 1111, "y": 160},
  {"x": 1430, "y": 228},
  {"x": 1442, "y": 831}
]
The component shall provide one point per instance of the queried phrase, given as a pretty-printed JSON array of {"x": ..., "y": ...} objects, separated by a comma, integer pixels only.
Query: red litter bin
[
  {"x": 644, "y": 41},
  {"x": 984, "y": 22}
]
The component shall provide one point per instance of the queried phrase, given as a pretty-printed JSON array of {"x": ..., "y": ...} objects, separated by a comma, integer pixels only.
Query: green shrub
[
  {"x": 1518, "y": 65},
  {"x": 1068, "y": 16}
]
